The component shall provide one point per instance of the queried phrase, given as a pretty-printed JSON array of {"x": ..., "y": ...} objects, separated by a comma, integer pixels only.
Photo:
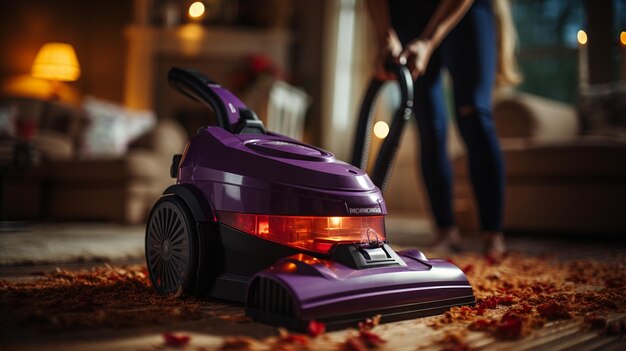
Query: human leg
[
  {"x": 470, "y": 55},
  {"x": 434, "y": 164}
]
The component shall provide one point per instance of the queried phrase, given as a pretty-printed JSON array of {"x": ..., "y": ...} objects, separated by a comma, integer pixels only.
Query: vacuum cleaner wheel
[{"x": 171, "y": 246}]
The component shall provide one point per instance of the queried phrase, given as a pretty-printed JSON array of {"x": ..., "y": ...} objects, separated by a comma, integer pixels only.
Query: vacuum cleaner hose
[
  {"x": 194, "y": 84},
  {"x": 381, "y": 173},
  {"x": 362, "y": 140}
]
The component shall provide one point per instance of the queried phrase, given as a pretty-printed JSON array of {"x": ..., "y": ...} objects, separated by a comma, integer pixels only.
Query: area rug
[
  {"x": 70, "y": 243},
  {"x": 519, "y": 299}
]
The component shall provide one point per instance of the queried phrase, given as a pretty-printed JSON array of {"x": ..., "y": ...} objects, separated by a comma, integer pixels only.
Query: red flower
[
  {"x": 254, "y": 68},
  {"x": 259, "y": 64}
]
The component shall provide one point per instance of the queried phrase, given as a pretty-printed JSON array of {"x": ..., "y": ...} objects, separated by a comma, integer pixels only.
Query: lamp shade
[{"x": 56, "y": 61}]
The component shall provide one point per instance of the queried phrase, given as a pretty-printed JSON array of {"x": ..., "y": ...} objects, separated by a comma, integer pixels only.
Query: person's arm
[
  {"x": 447, "y": 15},
  {"x": 389, "y": 46}
]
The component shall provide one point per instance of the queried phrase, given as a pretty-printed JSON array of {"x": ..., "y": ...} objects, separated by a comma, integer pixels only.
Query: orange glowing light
[
  {"x": 581, "y": 36},
  {"x": 196, "y": 10},
  {"x": 622, "y": 38},
  {"x": 290, "y": 267},
  {"x": 334, "y": 222},
  {"x": 319, "y": 234},
  {"x": 56, "y": 61},
  {"x": 312, "y": 260},
  {"x": 263, "y": 227}
]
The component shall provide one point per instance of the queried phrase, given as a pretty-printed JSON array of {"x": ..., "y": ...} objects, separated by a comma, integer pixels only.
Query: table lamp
[{"x": 56, "y": 62}]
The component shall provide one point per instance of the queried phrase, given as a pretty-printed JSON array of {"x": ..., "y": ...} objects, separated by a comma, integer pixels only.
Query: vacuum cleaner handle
[
  {"x": 230, "y": 113},
  {"x": 384, "y": 161}
]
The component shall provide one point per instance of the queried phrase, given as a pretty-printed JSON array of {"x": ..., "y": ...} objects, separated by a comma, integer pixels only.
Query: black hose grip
[{"x": 194, "y": 85}]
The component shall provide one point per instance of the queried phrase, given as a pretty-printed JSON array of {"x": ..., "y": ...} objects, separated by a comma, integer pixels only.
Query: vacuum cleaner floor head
[{"x": 302, "y": 288}]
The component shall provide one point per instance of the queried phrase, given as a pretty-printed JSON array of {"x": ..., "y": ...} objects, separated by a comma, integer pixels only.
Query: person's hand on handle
[
  {"x": 389, "y": 49},
  {"x": 416, "y": 54}
]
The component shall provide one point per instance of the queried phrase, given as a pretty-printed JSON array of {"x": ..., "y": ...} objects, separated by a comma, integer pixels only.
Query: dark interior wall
[
  {"x": 94, "y": 28},
  {"x": 601, "y": 41},
  {"x": 309, "y": 25}
]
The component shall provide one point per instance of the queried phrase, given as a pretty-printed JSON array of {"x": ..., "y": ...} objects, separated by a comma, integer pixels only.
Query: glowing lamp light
[
  {"x": 56, "y": 62},
  {"x": 622, "y": 38},
  {"x": 196, "y": 10},
  {"x": 581, "y": 36},
  {"x": 381, "y": 129}
]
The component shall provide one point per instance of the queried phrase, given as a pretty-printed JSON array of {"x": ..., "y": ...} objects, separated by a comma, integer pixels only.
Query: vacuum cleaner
[{"x": 284, "y": 227}]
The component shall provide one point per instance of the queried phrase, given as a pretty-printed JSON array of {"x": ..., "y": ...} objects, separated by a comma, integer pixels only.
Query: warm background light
[
  {"x": 335, "y": 222},
  {"x": 381, "y": 129},
  {"x": 582, "y": 37},
  {"x": 196, "y": 10},
  {"x": 622, "y": 38},
  {"x": 56, "y": 61}
]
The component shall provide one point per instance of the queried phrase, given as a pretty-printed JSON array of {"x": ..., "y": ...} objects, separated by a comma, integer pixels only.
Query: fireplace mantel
[{"x": 148, "y": 44}]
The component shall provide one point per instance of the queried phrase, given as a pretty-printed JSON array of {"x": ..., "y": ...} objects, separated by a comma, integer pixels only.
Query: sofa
[
  {"x": 562, "y": 174},
  {"x": 92, "y": 187},
  {"x": 121, "y": 189}
]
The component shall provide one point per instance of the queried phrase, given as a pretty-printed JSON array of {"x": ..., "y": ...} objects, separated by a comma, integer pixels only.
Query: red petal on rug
[
  {"x": 371, "y": 339},
  {"x": 176, "y": 340},
  {"x": 316, "y": 328},
  {"x": 468, "y": 268},
  {"x": 509, "y": 327},
  {"x": 370, "y": 323},
  {"x": 553, "y": 310}
]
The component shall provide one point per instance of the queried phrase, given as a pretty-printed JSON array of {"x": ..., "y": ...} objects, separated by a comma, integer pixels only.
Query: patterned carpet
[{"x": 523, "y": 302}]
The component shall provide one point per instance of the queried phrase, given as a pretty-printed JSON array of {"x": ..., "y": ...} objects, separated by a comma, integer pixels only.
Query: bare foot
[{"x": 448, "y": 240}]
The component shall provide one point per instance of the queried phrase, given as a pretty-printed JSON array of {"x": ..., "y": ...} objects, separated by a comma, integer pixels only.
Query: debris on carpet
[{"x": 515, "y": 297}]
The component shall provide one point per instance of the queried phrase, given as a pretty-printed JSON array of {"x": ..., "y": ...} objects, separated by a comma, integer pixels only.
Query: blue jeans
[{"x": 469, "y": 54}]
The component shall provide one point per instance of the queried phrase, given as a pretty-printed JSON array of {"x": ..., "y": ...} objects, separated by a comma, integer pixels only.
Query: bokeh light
[
  {"x": 582, "y": 37},
  {"x": 196, "y": 10},
  {"x": 381, "y": 129}
]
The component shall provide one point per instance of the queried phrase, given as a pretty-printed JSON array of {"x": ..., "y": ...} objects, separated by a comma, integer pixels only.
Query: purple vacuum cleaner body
[{"x": 296, "y": 234}]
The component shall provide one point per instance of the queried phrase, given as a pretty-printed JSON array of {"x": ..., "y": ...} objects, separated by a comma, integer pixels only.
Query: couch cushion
[
  {"x": 54, "y": 145},
  {"x": 112, "y": 127},
  {"x": 136, "y": 165},
  {"x": 602, "y": 110},
  {"x": 520, "y": 115},
  {"x": 582, "y": 158}
]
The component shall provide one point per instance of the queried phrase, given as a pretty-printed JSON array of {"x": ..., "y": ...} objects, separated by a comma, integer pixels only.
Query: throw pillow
[
  {"x": 7, "y": 121},
  {"x": 602, "y": 110},
  {"x": 111, "y": 127}
]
